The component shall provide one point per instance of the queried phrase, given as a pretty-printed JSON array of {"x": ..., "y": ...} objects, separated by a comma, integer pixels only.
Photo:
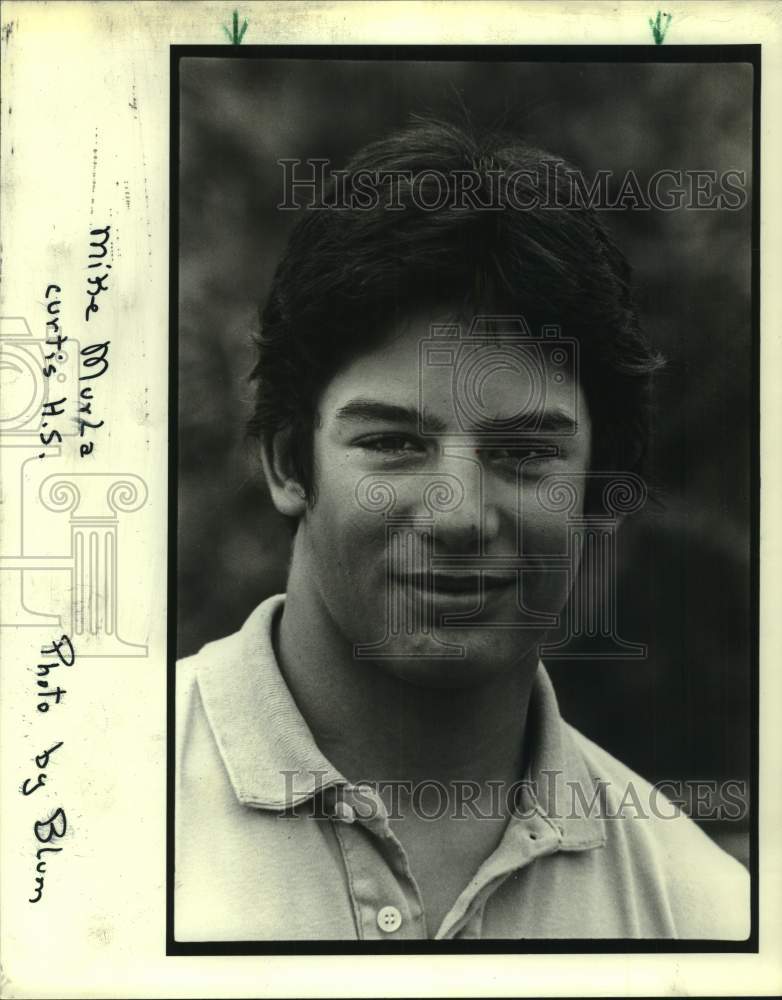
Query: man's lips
[{"x": 468, "y": 584}]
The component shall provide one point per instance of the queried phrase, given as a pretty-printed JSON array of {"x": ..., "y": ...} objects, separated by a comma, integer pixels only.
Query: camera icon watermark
[
  {"x": 461, "y": 366},
  {"x": 61, "y": 560},
  {"x": 475, "y": 583}
]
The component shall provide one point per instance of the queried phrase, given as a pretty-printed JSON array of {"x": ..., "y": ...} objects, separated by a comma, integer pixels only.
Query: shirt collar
[
  {"x": 273, "y": 761},
  {"x": 562, "y": 787}
]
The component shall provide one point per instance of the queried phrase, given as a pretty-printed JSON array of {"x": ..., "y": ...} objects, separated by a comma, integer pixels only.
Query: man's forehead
[{"x": 452, "y": 376}]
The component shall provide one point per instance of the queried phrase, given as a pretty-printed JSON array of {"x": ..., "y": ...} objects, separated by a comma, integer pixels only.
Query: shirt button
[
  {"x": 344, "y": 812},
  {"x": 389, "y": 919}
]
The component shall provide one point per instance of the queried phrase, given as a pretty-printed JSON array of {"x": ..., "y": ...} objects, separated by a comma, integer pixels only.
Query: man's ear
[{"x": 288, "y": 495}]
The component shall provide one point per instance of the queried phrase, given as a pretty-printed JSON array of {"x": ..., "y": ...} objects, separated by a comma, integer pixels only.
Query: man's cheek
[{"x": 543, "y": 532}]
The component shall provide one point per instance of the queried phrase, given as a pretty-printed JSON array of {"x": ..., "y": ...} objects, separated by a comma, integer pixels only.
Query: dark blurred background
[{"x": 685, "y": 574}]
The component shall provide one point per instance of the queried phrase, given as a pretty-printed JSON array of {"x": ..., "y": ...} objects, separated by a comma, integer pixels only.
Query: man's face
[{"x": 424, "y": 536}]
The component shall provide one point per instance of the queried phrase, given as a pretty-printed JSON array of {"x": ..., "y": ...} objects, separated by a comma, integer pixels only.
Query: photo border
[{"x": 739, "y": 53}]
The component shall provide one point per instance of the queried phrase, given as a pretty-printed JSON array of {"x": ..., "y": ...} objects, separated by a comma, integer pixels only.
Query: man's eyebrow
[
  {"x": 553, "y": 421},
  {"x": 374, "y": 409}
]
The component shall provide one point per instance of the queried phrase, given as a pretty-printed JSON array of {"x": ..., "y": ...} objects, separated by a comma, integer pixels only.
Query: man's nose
[{"x": 474, "y": 522}]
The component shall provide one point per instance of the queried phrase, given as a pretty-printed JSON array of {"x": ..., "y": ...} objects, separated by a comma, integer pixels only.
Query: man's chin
[{"x": 457, "y": 658}]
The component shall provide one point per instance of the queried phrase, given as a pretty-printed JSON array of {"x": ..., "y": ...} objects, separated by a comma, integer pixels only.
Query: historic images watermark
[
  {"x": 559, "y": 797},
  {"x": 312, "y": 184},
  {"x": 458, "y": 365}
]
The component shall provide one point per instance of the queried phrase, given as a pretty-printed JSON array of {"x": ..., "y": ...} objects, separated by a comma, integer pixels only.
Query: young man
[{"x": 445, "y": 396}]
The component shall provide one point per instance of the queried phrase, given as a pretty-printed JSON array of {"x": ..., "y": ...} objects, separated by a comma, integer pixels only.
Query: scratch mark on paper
[
  {"x": 94, "y": 172},
  {"x": 102, "y": 934}
]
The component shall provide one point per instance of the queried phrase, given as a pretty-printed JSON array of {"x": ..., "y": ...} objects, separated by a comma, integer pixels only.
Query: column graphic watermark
[
  {"x": 548, "y": 525},
  {"x": 46, "y": 512}
]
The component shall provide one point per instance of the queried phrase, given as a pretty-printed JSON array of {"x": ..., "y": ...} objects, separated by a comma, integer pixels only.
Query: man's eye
[
  {"x": 530, "y": 456},
  {"x": 391, "y": 444}
]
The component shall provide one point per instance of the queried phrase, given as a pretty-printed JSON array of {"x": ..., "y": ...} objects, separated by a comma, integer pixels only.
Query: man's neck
[{"x": 372, "y": 725}]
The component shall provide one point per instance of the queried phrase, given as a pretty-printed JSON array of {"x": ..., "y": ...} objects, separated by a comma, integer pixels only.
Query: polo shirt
[{"x": 255, "y": 862}]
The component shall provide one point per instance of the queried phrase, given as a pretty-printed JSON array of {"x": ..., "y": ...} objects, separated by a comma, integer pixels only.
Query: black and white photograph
[
  {"x": 463, "y": 576},
  {"x": 389, "y": 406}
]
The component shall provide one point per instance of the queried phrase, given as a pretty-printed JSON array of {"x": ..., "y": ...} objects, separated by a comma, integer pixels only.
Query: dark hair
[{"x": 349, "y": 273}]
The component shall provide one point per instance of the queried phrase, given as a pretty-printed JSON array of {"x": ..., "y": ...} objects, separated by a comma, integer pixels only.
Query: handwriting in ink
[
  {"x": 41, "y": 762},
  {"x": 47, "y": 830},
  {"x": 660, "y": 27},
  {"x": 54, "y": 338},
  {"x": 54, "y": 825},
  {"x": 93, "y": 356},
  {"x": 65, "y": 655},
  {"x": 96, "y": 283},
  {"x": 235, "y": 37}
]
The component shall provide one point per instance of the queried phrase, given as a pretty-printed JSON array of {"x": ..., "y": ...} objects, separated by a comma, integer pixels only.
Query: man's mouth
[{"x": 468, "y": 585}]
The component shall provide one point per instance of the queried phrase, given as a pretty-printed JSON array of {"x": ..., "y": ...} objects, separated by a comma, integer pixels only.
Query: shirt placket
[
  {"x": 523, "y": 842},
  {"x": 386, "y": 900}
]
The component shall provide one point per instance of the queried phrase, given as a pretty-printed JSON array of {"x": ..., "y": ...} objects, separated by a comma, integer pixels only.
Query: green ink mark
[
  {"x": 235, "y": 37},
  {"x": 658, "y": 29}
]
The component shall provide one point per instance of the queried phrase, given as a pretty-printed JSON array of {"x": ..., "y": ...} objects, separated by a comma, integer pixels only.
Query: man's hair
[{"x": 349, "y": 274}]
